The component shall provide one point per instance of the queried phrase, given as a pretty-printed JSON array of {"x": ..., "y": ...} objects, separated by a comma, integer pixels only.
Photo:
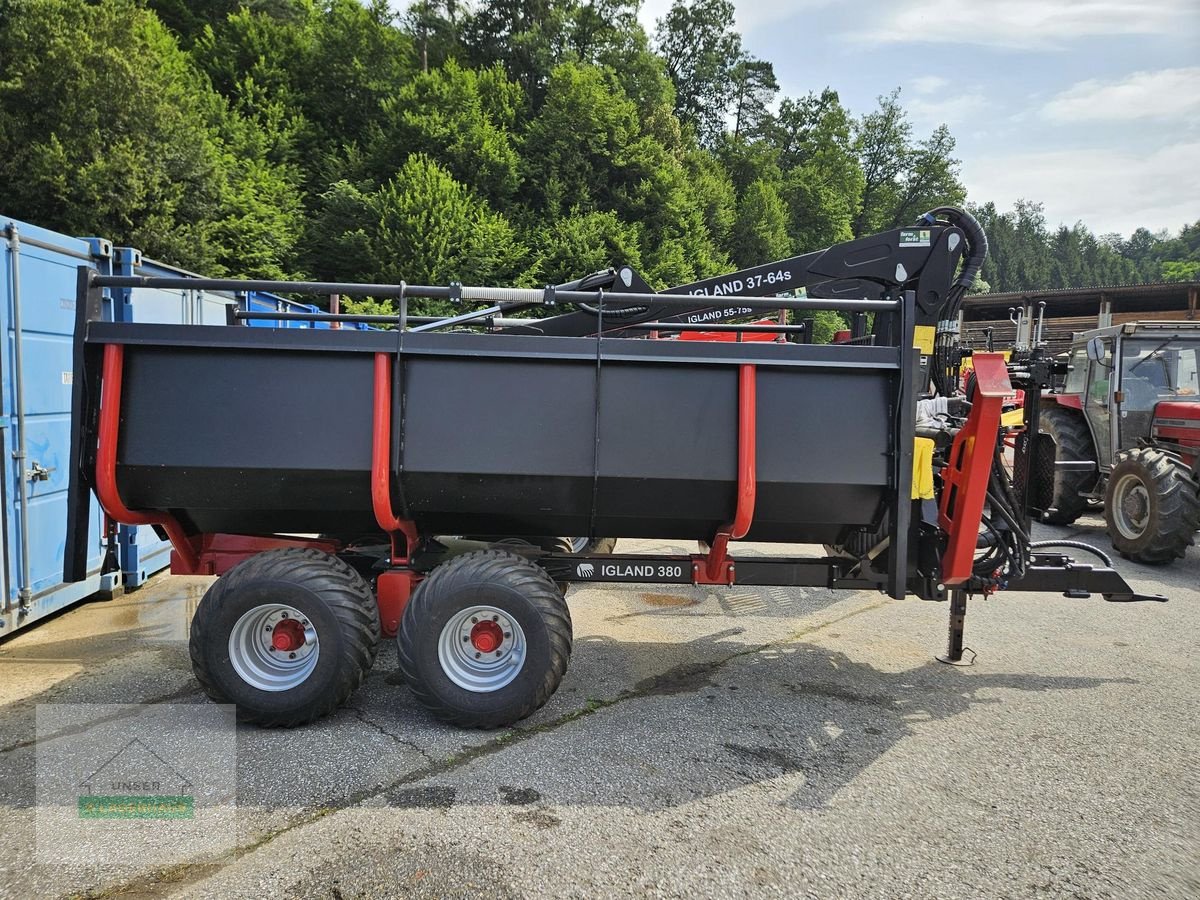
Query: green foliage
[
  {"x": 701, "y": 48},
  {"x": 519, "y": 141},
  {"x": 760, "y": 232},
  {"x": 902, "y": 177},
  {"x": 575, "y": 150},
  {"x": 825, "y": 324},
  {"x": 448, "y": 115},
  {"x": 111, "y": 130},
  {"x": 423, "y": 227},
  {"x": 752, "y": 87},
  {"x": 580, "y": 244},
  {"x": 430, "y": 229},
  {"x": 1026, "y": 255},
  {"x": 1180, "y": 270},
  {"x": 822, "y": 181}
]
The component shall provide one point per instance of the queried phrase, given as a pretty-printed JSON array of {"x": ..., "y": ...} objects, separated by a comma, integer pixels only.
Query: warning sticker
[{"x": 914, "y": 237}]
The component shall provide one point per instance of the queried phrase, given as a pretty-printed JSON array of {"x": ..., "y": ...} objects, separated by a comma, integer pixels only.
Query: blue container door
[{"x": 40, "y": 268}]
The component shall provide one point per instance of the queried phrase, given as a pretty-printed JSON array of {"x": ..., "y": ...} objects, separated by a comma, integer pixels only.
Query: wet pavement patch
[
  {"x": 667, "y": 600},
  {"x": 433, "y": 797},
  {"x": 516, "y": 796}
]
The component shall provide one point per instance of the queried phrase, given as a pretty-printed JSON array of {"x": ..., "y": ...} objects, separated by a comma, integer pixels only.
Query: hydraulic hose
[
  {"x": 977, "y": 243},
  {"x": 602, "y": 280},
  {"x": 944, "y": 358},
  {"x": 1076, "y": 545}
]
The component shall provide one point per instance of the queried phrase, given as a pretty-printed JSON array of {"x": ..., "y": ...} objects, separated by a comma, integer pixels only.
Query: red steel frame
[
  {"x": 965, "y": 478},
  {"x": 393, "y": 586},
  {"x": 106, "y": 465},
  {"x": 716, "y": 567}
]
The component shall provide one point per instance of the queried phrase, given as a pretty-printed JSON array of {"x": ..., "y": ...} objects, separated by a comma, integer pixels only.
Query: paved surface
[{"x": 766, "y": 742}]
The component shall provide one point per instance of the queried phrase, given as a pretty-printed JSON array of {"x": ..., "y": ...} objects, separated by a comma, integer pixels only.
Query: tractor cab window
[
  {"x": 1077, "y": 369},
  {"x": 1154, "y": 369}
]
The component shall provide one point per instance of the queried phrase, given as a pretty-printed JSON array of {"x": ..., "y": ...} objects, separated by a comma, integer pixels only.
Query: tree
[
  {"x": 714, "y": 192},
  {"x": 579, "y": 244},
  {"x": 111, "y": 130},
  {"x": 357, "y": 60},
  {"x": 187, "y": 19},
  {"x": 576, "y": 149},
  {"x": 822, "y": 179},
  {"x": 458, "y": 117},
  {"x": 753, "y": 88},
  {"x": 760, "y": 230},
  {"x": 435, "y": 26},
  {"x": 430, "y": 229},
  {"x": 423, "y": 227},
  {"x": 901, "y": 178},
  {"x": 701, "y": 49},
  {"x": 528, "y": 37}
]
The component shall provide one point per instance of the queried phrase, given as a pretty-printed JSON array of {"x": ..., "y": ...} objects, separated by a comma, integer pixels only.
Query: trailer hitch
[{"x": 1058, "y": 573}]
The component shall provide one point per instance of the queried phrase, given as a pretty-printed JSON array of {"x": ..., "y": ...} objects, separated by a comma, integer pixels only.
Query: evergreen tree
[{"x": 701, "y": 49}]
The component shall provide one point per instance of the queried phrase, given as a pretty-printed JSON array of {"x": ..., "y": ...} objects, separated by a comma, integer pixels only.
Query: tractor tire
[
  {"x": 485, "y": 639},
  {"x": 1152, "y": 506},
  {"x": 1073, "y": 442},
  {"x": 594, "y": 546},
  {"x": 286, "y": 636}
]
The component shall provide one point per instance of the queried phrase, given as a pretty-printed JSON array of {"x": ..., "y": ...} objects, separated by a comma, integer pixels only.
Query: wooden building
[{"x": 1072, "y": 310}]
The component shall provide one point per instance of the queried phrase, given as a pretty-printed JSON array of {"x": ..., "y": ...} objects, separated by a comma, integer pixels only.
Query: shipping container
[{"x": 37, "y": 320}]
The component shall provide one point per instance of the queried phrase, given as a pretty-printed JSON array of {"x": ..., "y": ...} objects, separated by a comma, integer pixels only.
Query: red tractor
[{"x": 1126, "y": 428}]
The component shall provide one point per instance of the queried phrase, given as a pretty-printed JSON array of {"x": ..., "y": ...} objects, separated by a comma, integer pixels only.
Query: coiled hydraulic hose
[{"x": 946, "y": 340}]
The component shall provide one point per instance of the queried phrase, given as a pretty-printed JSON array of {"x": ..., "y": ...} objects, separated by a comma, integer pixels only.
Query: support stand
[{"x": 958, "y": 618}]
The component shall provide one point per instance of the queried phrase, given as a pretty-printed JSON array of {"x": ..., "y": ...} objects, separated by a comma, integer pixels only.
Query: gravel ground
[{"x": 750, "y": 742}]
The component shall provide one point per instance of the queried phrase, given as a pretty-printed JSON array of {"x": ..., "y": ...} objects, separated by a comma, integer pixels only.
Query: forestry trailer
[{"x": 573, "y": 424}]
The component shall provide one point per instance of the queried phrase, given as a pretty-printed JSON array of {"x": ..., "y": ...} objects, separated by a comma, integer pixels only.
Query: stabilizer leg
[{"x": 958, "y": 618}]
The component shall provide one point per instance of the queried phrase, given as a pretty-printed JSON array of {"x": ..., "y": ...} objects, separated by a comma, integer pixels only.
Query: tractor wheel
[
  {"x": 594, "y": 546},
  {"x": 286, "y": 636},
  {"x": 1073, "y": 442},
  {"x": 485, "y": 639},
  {"x": 1152, "y": 506}
]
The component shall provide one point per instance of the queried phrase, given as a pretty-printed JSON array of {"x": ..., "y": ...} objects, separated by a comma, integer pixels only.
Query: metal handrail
[{"x": 548, "y": 296}]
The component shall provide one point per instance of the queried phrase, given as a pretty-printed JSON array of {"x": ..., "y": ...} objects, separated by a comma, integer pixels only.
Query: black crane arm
[{"x": 923, "y": 258}]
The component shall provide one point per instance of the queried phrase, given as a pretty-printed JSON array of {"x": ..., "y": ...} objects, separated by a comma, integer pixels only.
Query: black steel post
[
  {"x": 89, "y": 301},
  {"x": 905, "y": 431},
  {"x": 958, "y": 619}
]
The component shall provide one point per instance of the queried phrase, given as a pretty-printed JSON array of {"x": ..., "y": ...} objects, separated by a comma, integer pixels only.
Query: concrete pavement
[{"x": 761, "y": 742}]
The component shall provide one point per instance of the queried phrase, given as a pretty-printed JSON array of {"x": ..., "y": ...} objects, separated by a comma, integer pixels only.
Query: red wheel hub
[
  {"x": 486, "y": 636},
  {"x": 288, "y": 635}
]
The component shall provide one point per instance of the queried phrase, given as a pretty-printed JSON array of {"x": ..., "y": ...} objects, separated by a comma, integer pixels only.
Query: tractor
[{"x": 1125, "y": 423}]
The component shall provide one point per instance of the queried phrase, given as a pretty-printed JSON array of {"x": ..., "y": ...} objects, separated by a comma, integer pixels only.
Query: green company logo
[
  {"x": 136, "y": 783},
  {"x": 915, "y": 237},
  {"x": 138, "y": 806}
]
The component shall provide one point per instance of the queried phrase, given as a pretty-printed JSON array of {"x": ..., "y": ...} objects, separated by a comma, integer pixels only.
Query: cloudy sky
[{"x": 1091, "y": 106}]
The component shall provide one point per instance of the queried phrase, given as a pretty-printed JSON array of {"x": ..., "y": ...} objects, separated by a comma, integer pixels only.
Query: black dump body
[{"x": 246, "y": 431}]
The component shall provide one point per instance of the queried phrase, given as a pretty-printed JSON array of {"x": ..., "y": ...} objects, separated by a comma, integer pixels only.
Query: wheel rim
[
  {"x": 578, "y": 544},
  {"x": 482, "y": 649},
  {"x": 273, "y": 647},
  {"x": 1131, "y": 507}
]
